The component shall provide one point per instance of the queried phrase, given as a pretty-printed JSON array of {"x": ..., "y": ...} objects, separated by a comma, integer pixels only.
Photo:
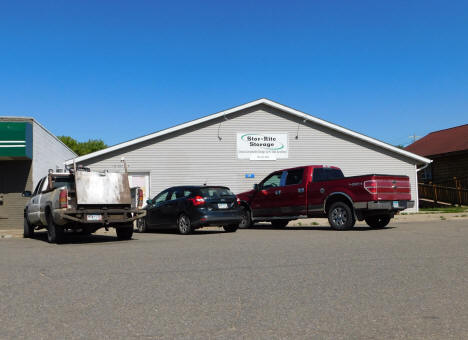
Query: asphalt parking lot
[{"x": 408, "y": 281}]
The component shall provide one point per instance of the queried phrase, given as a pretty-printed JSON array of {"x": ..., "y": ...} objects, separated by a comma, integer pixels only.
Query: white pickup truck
[{"x": 81, "y": 201}]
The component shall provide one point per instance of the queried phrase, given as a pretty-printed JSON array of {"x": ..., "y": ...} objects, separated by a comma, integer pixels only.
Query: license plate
[
  {"x": 396, "y": 204},
  {"x": 222, "y": 205},
  {"x": 95, "y": 217}
]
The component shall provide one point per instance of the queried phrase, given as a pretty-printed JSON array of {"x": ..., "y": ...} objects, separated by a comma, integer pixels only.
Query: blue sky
[{"x": 117, "y": 70}]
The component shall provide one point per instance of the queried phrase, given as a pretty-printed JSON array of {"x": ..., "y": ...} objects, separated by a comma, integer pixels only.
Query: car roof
[{"x": 196, "y": 187}]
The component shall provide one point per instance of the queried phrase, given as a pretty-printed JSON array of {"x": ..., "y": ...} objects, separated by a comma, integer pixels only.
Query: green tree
[{"x": 83, "y": 148}]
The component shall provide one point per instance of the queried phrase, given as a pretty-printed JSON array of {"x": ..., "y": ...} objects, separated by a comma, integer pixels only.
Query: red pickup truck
[{"x": 323, "y": 191}]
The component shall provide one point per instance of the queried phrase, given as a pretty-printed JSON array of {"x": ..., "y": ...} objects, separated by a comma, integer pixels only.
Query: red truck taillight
[
  {"x": 63, "y": 198},
  {"x": 371, "y": 186},
  {"x": 197, "y": 200}
]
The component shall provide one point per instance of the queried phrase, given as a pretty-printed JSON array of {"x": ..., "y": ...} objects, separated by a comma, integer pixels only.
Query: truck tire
[
  {"x": 184, "y": 225},
  {"x": 125, "y": 232},
  {"x": 279, "y": 223},
  {"x": 340, "y": 216},
  {"x": 246, "y": 221},
  {"x": 28, "y": 228},
  {"x": 55, "y": 233},
  {"x": 378, "y": 221},
  {"x": 232, "y": 228},
  {"x": 141, "y": 225}
]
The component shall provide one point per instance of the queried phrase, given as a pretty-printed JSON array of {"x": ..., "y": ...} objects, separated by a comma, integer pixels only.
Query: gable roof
[
  {"x": 442, "y": 141},
  {"x": 264, "y": 101}
]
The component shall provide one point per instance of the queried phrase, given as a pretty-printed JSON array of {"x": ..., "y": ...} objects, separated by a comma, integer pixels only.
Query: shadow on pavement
[
  {"x": 71, "y": 238},
  {"x": 176, "y": 232},
  {"x": 312, "y": 227}
]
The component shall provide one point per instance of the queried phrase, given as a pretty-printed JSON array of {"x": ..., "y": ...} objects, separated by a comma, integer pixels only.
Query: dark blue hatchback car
[{"x": 190, "y": 207}]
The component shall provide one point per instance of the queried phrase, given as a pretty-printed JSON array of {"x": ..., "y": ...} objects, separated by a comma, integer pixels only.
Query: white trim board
[{"x": 263, "y": 101}]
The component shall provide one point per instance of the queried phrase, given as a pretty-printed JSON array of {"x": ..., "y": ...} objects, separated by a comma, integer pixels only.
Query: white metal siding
[
  {"x": 48, "y": 153},
  {"x": 197, "y": 156}
]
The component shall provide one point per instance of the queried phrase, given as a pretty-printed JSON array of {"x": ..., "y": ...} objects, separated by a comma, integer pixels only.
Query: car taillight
[
  {"x": 238, "y": 201},
  {"x": 197, "y": 200},
  {"x": 140, "y": 198},
  {"x": 371, "y": 186},
  {"x": 63, "y": 198}
]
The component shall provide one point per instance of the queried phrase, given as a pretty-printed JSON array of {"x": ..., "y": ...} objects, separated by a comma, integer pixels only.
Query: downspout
[{"x": 424, "y": 167}]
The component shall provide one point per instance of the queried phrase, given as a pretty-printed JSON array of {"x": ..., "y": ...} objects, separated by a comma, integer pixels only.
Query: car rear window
[
  {"x": 326, "y": 174},
  {"x": 215, "y": 192}
]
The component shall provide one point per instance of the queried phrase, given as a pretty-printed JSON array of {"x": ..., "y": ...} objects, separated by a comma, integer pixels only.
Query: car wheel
[
  {"x": 141, "y": 225},
  {"x": 231, "y": 228},
  {"x": 340, "y": 216},
  {"x": 279, "y": 223},
  {"x": 55, "y": 233},
  {"x": 246, "y": 221},
  {"x": 28, "y": 229},
  {"x": 378, "y": 221},
  {"x": 124, "y": 232},
  {"x": 184, "y": 225}
]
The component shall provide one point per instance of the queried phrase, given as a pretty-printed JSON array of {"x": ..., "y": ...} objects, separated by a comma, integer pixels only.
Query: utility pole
[{"x": 414, "y": 137}]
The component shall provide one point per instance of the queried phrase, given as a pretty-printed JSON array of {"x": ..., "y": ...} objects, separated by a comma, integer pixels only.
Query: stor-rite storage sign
[{"x": 262, "y": 146}]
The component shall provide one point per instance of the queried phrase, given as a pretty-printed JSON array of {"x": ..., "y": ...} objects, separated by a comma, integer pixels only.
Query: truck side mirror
[
  {"x": 256, "y": 187},
  {"x": 26, "y": 193},
  {"x": 149, "y": 202}
]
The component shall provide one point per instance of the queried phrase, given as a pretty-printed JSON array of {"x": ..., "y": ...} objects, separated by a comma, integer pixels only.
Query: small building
[
  {"x": 239, "y": 146},
  {"x": 27, "y": 152},
  {"x": 448, "y": 149}
]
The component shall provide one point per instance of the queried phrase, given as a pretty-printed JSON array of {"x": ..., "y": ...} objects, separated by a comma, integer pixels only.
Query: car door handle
[
  {"x": 300, "y": 190},
  {"x": 278, "y": 192}
]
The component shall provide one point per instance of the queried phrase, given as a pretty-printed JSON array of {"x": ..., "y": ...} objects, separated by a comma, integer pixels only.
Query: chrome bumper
[{"x": 383, "y": 205}]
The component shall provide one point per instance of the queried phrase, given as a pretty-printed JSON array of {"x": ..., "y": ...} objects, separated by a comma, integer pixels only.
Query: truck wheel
[
  {"x": 340, "y": 216},
  {"x": 184, "y": 225},
  {"x": 377, "y": 221},
  {"x": 141, "y": 225},
  {"x": 246, "y": 221},
  {"x": 231, "y": 228},
  {"x": 279, "y": 223},
  {"x": 28, "y": 229},
  {"x": 124, "y": 232},
  {"x": 55, "y": 233}
]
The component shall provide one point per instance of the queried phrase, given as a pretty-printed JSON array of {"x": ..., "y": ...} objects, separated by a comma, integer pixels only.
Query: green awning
[{"x": 16, "y": 140}]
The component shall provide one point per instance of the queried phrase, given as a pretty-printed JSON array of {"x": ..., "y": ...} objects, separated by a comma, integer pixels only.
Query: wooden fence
[
  {"x": 455, "y": 182},
  {"x": 439, "y": 193}
]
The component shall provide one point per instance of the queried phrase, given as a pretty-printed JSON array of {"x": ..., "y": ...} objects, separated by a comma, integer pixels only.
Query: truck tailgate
[
  {"x": 102, "y": 188},
  {"x": 388, "y": 187}
]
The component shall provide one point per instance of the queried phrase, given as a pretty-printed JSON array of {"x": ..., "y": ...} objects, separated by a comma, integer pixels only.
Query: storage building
[{"x": 239, "y": 146}]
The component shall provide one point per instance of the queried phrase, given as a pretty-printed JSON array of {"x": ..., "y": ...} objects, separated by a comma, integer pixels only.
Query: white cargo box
[{"x": 102, "y": 188}]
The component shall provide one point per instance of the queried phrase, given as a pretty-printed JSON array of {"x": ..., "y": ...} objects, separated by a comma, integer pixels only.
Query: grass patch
[
  {"x": 442, "y": 210},
  {"x": 442, "y": 218},
  {"x": 315, "y": 223}
]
